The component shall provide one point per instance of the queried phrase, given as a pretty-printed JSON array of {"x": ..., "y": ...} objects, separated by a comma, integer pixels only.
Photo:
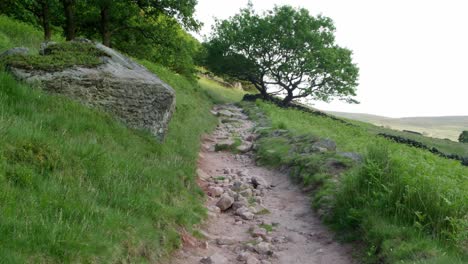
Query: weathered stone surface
[
  {"x": 244, "y": 213},
  {"x": 244, "y": 148},
  {"x": 263, "y": 248},
  {"x": 352, "y": 155},
  {"x": 19, "y": 50},
  {"x": 225, "y": 202},
  {"x": 214, "y": 259},
  {"x": 215, "y": 191},
  {"x": 119, "y": 86},
  {"x": 225, "y": 241},
  {"x": 44, "y": 45},
  {"x": 258, "y": 181},
  {"x": 326, "y": 144}
]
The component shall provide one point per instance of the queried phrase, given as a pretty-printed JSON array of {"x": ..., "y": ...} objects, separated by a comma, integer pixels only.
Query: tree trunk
[
  {"x": 70, "y": 26},
  {"x": 46, "y": 19},
  {"x": 264, "y": 93},
  {"x": 105, "y": 32},
  {"x": 287, "y": 100}
]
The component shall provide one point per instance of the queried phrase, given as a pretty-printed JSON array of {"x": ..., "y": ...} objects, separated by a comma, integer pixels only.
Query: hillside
[
  {"x": 79, "y": 186},
  {"x": 407, "y": 204},
  {"x": 438, "y": 127}
]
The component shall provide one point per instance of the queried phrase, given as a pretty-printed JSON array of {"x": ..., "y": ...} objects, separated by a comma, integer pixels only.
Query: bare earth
[{"x": 297, "y": 235}]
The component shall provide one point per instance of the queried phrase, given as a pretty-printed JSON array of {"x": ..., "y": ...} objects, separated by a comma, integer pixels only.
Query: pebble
[
  {"x": 215, "y": 191},
  {"x": 259, "y": 232},
  {"x": 225, "y": 241},
  {"x": 244, "y": 213},
  {"x": 263, "y": 248},
  {"x": 214, "y": 259},
  {"x": 225, "y": 202}
]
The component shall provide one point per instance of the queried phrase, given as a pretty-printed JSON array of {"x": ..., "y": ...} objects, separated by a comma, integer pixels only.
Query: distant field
[{"x": 438, "y": 127}]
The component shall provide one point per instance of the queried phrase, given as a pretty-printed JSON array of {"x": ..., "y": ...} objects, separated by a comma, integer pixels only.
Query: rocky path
[{"x": 256, "y": 214}]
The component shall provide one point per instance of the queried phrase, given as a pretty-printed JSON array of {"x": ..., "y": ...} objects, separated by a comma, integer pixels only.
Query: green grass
[
  {"x": 14, "y": 33},
  {"x": 267, "y": 227},
  {"x": 78, "y": 186},
  {"x": 436, "y": 127},
  {"x": 444, "y": 145},
  {"x": 219, "y": 93},
  {"x": 58, "y": 56},
  {"x": 407, "y": 204}
]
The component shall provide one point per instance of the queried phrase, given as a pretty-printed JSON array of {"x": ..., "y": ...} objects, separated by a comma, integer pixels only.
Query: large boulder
[{"x": 118, "y": 85}]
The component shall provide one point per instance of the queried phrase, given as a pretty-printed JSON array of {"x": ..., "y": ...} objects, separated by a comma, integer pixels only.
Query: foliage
[
  {"x": 59, "y": 56},
  {"x": 151, "y": 30},
  {"x": 407, "y": 204},
  {"x": 14, "y": 33},
  {"x": 168, "y": 45},
  {"x": 181, "y": 10},
  {"x": 463, "y": 138},
  {"x": 40, "y": 13},
  {"x": 284, "y": 51}
]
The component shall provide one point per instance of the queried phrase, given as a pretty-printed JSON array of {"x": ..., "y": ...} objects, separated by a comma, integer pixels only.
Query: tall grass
[
  {"x": 78, "y": 186},
  {"x": 14, "y": 33},
  {"x": 219, "y": 93},
  {"x": 409, "y": 204}
]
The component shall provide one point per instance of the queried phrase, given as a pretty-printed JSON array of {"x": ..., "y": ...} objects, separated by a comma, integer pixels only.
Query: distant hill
[{"x": 439, "y": 127}]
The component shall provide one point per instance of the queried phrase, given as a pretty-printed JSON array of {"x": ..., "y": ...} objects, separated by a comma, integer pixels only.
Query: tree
[
  {"x": 463, "y": 138},
  {"x": 69, "y": 7},
  {"x": 37, "y": 12},
  {"x": 285, "y": 51},
  {"x": 183, "y": 11}
]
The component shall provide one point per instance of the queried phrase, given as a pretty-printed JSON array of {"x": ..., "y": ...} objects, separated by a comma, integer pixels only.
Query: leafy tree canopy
[
  {"x": 147, "y": 29},
  {"x": 285, "y": 51}
]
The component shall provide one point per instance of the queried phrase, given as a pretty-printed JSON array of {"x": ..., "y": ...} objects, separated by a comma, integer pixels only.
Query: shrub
[{"x": 463, "y": 138}]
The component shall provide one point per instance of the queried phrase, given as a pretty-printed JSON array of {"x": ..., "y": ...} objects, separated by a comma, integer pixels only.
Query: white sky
[{"x": 412, "y": 54}]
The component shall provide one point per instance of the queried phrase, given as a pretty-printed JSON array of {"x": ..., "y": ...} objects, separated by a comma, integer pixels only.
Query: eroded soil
[{"x": 270, "y": 220}]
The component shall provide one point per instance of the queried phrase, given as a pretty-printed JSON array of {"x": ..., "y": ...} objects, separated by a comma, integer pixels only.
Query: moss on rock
[{"x": 58, "y": 56}]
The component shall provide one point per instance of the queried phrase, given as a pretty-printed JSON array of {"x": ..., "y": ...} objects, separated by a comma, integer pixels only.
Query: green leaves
[{"x": 286, "y": 51}]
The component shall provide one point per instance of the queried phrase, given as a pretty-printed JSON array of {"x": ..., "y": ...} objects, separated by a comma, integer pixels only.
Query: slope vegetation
[
  {"x": 438, "y": 127},
  {"x": 407, "y": 204},
  {"x": 79, "y": 186}
]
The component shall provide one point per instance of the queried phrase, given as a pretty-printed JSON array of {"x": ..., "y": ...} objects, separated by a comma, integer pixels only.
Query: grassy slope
[
  {"x": 446, "y": 146},
  {"x": 408, "y": 204},
  {"x": 18, "y": 34},
  {"x": 438, "y": 127},
  {"x": 78, "y": 186}
]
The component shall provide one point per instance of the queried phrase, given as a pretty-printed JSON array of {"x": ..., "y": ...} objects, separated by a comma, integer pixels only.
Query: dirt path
[{"x": 269, "y": 220}]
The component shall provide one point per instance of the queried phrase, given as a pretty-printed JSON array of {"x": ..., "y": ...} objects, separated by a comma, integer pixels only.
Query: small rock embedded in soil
[
  {"x": 244, "y": 213},
  {"x": 214, "y": 259},
  {"x": 263, "y": 248},
  {"x": 225, "y": 202},
  {"x": 215, "y": 191}
]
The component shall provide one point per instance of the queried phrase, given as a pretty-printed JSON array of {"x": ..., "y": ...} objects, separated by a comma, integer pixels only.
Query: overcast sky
[{"x": 412, "y": 54}]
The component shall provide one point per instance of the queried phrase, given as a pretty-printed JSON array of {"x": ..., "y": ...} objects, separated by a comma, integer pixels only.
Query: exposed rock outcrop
[{"x": 118, "y": 85}]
